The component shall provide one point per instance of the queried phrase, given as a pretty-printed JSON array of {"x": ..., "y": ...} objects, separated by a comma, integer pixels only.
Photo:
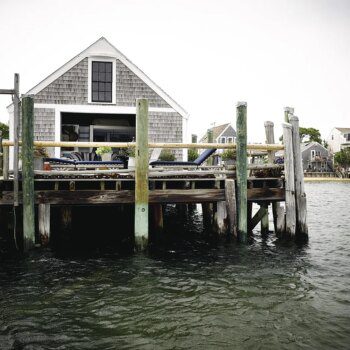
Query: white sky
[{"x": 206, "y": 54}]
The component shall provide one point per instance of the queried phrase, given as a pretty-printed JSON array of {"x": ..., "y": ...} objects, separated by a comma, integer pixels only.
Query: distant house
[
  {"x": 224, "y": 133},
  {"x": 93, "y": 96},
  {"x": 315, "y": 157},
  {"x": 338, "y": 139}
]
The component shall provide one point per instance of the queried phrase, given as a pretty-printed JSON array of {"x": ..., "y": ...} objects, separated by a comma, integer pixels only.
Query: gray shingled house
[
  {"x": 315, "y": 157},
  {"x": 224, "y": 133},
  {"x": 92, "y": 98}
]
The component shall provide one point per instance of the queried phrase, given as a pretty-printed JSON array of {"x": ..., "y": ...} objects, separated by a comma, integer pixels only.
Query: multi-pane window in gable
[{"x": 101, "y": 81}]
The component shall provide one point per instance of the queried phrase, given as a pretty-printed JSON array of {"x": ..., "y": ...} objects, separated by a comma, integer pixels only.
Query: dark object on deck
[
  {"x": 202, "y": 157},
  {"x": 83, "y": 162}
]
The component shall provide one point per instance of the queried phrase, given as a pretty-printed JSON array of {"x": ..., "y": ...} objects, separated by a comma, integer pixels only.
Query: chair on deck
[{"x": 197, "y": 162}]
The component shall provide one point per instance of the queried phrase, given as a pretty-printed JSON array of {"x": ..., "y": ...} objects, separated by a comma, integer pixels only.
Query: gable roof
[
  {"x": 343, "y": 130},
  {"x": 102, "y": 47},
  {"x": 217, "y": 131},
  {"x": 307, "y": 145}
]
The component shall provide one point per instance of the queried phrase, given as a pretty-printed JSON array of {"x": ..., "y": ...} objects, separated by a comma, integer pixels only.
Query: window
[
  {"x": 230, "y": 139},
  {"x": 347, "y": 137},
  {"x": 313, "y": 153},
  {"x": 222, "y": 139},
  {"x": 101, "y": 84}
]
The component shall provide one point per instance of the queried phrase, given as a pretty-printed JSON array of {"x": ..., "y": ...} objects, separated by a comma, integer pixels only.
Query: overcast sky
[{"x": 207, "y": 55}]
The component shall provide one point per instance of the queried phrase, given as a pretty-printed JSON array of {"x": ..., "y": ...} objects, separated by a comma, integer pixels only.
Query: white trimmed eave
[{"x": 103, "y": 48}]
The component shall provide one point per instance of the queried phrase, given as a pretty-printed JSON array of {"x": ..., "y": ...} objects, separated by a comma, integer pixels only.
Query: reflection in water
[{"x": 189, "y": 292}]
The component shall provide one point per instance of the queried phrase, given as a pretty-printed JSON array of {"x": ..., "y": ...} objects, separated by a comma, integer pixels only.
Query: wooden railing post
[
  {"x": 241, "y": 170},
  {"x": 28, "y": 172},
  {"x": 290, "y": 180},
  {"x": 141, "y": 175},
  {"x": 210, "y": 140},
  {"x": 300, "y": 196}
]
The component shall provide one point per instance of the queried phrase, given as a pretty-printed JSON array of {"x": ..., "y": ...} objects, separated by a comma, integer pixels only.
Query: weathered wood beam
[
  {"x": 257, "y": 218},
  {"x": 27, "y": 173},
  {"x": 91, "y": 197},
  {"x": 289, "y": 180},
  {"x": 231, "y": 206},
  {"x": 7, "y": 91},
  {"x": 141, "y": 175},
  {"x": 262, "y": 147},
  {"x": 44, "y": 223},
  {"x": 300, "y": 196}
]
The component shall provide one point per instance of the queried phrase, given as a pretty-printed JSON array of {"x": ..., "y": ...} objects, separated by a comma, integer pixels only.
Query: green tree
[
  {"x": 4, "y": 128},
  {"x": 342, "y": 158},
  {"x": 314, "y": 134}
]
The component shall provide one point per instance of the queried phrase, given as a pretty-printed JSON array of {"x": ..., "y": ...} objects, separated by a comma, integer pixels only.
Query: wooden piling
[
  {"x": 277, "y": 210},
  {"x": 231, "y": 208},
  {"x": 288, "y": 111},
  {"x": 16, "y": 116},
  {"x": 264, "y": 225},
  {"x": 28, "y": 172},
  {"x": 289, "y": 180},
  {"x": 300, "y": 196},
  {"x": 141, "y": 175},
  {"x": 220, "y": 214},
  {"x": 5, "y": 162},
  {"x": 44, "y": 223},
  {"x": 241, "y": 170}
]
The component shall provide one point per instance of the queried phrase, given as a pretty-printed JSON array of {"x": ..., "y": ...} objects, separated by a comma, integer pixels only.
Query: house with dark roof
[
  {"x": 93, "y": 96},
  {"x": 338, "y": 139}
]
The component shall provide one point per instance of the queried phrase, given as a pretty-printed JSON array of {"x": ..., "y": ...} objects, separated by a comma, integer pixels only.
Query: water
[{"x": 197, "y": 294}]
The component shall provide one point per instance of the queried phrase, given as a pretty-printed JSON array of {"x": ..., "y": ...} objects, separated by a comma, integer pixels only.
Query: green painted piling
[
  {"x": 241, "y": 170},
  {"x": 141, "y": 175},
  {"x": 28, "y": 172}
]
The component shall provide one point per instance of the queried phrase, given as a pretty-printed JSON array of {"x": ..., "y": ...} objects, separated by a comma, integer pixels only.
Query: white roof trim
[{"x": 102, "y": 47}]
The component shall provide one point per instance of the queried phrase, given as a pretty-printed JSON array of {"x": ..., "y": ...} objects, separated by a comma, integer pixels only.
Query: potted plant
[
  {"x": 105, "y": 152},
  {"x": 39, "y": 154},
  {"x": 167, "y": 156},
  {"x": 131, "y": 157},
  {"x": 228, "y": 156}
]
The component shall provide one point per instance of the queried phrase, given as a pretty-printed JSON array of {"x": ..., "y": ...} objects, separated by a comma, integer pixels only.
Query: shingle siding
[
  {"x": 129, "y": 87},
  {"x": 72, "y": 88},
  {"x": 69, "y": 88}
]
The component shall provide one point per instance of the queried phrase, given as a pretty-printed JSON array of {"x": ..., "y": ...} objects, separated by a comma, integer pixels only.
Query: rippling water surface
[{"x": 191, "y": 294}]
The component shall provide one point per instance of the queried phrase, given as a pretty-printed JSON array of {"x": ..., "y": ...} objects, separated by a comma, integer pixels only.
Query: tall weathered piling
[
  {"x": 289, "y": 180},
  {"x": 141, "y": 175},
  {"x": 300, "y": 196},
  {"x": 241, "y": 170},
  {"x": 28, "y": 172},
  {"x": 277, "y": 210},
  {"x": 16, "y": 105}
]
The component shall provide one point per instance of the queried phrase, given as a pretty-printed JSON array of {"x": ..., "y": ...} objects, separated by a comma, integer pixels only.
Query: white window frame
[
  {"x": 114, "y": 67},
  {"x": 222, "y": 139},
  {"x": 313, "y": 154},
  {"x": 230, "y": 139}
]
